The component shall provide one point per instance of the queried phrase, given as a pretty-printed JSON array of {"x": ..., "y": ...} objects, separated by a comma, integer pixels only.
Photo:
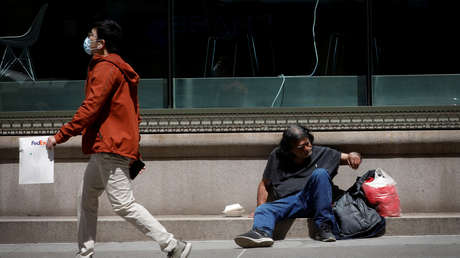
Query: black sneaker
[
  {"x": 254, "y": 238},
  {"x": 325, "y": 234}
]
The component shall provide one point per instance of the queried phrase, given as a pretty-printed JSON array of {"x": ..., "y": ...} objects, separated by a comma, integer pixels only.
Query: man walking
[{"x": 109, "y": 120}]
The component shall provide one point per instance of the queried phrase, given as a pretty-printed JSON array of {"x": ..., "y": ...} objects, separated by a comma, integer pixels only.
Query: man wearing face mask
[
  {"x": 297, "y": 183},
  {"x": 109, "y": 121}
]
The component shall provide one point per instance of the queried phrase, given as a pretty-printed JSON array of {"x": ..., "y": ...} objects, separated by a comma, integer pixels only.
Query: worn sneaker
[
  {"x": 182, "y": 250},
  {"x": 325, "y": 234},
  {"x": 254, "y": 238}
]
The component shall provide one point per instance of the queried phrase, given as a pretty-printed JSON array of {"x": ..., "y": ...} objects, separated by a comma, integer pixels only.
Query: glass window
[
  {"x": 268, "y": 53},
  {"x": 416, "y": 53},
  {"x": 239, "y": 53},
  {"x": 58, "y": 59}
]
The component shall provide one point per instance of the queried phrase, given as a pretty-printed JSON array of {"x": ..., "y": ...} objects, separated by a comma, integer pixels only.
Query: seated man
[{"x": 299, "y": 176}]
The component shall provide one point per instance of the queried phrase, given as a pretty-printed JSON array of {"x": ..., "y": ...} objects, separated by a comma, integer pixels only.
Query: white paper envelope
[{"x": 36, "y": 163}]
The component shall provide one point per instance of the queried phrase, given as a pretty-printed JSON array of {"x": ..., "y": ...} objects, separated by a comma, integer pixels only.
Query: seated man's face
[{"x": 302, "y": 149}]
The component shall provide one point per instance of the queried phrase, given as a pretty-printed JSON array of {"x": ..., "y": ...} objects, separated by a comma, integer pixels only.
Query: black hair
[
  {"x": 111, "y": 32},
  {"x": 291, "y": 136}
]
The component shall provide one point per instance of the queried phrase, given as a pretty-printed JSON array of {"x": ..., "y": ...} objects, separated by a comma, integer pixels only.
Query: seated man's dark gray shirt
[{"x": 288, "y": 178}]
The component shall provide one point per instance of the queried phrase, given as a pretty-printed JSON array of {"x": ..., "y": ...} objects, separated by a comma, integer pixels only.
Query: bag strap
[{"x": 356, "y": 188}]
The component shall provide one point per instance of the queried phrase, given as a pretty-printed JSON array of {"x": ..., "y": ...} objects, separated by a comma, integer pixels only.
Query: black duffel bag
[{"x": 355, "y": 218}]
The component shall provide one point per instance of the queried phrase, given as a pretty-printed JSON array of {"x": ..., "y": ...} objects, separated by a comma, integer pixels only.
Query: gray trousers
[{"x": 110, "y": 173}]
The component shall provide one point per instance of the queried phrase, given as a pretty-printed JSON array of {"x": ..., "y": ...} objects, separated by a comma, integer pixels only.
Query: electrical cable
[
  {"x": 314, "y": 38},
  {"x": 316, "y": 56},
  {"x": 279, "y": 91}
]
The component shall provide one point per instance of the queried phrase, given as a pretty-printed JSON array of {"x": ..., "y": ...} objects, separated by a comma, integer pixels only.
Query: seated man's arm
[
  {"x": 352, "y": 159},
  {"x": 262, "y": 194}
]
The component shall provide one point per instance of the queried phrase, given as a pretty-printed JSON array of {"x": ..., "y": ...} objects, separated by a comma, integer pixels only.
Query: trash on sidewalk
[{"x": 233, "y": 210}]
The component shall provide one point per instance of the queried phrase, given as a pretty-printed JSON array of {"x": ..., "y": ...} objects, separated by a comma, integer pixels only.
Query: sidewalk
[{"x": 386, "y": 246}]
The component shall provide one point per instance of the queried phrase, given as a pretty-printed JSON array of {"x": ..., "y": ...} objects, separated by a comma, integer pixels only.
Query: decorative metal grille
[{"x": 254, "y": 120}]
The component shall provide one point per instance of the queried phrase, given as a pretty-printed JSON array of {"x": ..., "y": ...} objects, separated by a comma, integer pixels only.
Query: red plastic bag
[{"x": 381, "y": 192}]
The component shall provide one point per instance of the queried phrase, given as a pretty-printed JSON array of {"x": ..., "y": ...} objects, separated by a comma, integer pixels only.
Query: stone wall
[{"x": 201, "y": 173}]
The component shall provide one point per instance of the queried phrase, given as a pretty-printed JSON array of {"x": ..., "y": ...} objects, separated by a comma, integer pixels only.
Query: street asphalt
[{"x": 386, "y": 246}]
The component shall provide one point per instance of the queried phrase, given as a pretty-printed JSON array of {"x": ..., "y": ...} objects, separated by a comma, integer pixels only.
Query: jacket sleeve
[
  {"x": 139, "y": 119},
  {"x": 99, "y": 89}
]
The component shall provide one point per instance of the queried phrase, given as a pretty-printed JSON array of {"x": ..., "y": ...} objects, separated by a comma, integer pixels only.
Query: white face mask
[{"x": 87, "y": 46}]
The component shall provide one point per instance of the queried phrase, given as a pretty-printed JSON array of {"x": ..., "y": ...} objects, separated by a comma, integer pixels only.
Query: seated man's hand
[
  {"x": 251, "y": 215},
  {"x": 354, "y": 160}
]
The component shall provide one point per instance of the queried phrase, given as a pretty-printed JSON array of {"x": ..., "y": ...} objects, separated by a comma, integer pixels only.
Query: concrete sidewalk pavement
[{"x": 386, "y": 246}]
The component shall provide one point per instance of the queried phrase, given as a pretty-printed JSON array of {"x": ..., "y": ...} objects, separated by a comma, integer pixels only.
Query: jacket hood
[{"x": 131, "y": 76}]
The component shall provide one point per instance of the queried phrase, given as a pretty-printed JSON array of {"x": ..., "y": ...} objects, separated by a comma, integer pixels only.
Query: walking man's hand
[{"x": 50, "y": 143}]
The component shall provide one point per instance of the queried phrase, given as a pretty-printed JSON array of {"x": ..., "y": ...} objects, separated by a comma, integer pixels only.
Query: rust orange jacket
[{"x": 109, "y": 116}]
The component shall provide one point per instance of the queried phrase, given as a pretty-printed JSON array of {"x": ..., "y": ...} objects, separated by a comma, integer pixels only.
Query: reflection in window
[
  {"x": 236, "y": 38},
  {"x": 416, "y": 53}
]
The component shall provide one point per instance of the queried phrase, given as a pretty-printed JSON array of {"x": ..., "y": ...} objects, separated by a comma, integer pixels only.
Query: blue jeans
[{"x": 314, "y": 201}]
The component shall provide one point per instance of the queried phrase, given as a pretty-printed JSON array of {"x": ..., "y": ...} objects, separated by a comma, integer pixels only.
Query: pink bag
[{"x": 381, "y": 192}]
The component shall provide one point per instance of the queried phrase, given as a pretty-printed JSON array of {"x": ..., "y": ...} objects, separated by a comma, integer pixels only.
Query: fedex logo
[{"x": 40, "y": 142}]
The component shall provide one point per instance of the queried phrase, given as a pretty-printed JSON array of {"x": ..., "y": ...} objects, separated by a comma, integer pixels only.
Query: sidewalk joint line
[{"x": 242, "y": 252}]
